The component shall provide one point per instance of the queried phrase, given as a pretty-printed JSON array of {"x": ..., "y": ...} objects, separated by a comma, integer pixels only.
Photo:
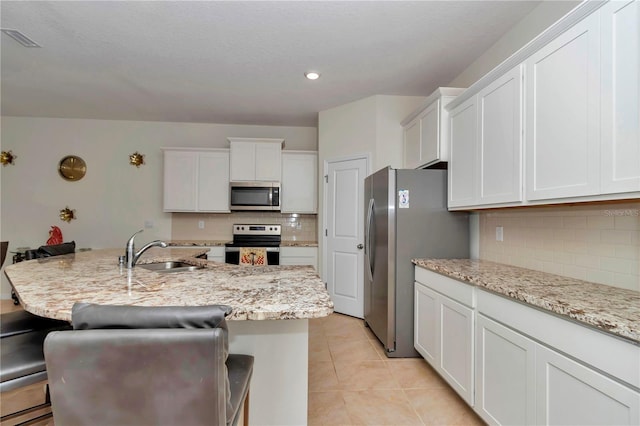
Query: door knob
[{"x": 360, "y": 246}]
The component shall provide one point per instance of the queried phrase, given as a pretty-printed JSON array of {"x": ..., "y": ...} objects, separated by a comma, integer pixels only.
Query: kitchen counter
[
  {"x": 197, "y": 243},
  {"x": 298, "y": 243},
  {"x": 610, "y": 309},
  {"x": 218, "y": 243},
  {"x": 287, "y": 295},
  {"x": 49, "y": 287}
]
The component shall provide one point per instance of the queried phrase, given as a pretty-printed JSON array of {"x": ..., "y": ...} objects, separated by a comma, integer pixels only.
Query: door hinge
[
  {"x": 326, "y": 232},
  {"x": 326, "y": 178}
]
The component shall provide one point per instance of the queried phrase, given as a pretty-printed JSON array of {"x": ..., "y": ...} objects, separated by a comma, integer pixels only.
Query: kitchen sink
[{"x": 170, "y": 267}]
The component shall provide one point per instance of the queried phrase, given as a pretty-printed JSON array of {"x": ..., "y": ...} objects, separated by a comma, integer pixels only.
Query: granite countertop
[
  {"x": 611, "y": 309},
  {"x": 298, "y": 243},
  {"x": 197, "y": 243},
  {"x": 49, "y": 287}
]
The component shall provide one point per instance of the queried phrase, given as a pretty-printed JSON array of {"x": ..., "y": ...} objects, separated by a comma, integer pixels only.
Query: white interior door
[{"x": 344, "y": 234}]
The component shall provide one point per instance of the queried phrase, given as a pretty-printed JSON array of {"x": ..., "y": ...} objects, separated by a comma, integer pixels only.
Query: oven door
[{"x": 232, "y": 255}]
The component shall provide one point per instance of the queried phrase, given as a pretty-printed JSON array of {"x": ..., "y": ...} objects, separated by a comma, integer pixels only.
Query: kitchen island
[{"x": 271, "y": 308}]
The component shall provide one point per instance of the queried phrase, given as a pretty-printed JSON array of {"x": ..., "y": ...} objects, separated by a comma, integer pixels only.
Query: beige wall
[
  {"x": 367, "y": 127},
  {"x": 114, "y": 199},
  {"x": 592, "y": 242}
]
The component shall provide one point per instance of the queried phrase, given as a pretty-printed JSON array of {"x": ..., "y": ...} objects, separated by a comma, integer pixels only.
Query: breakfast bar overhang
[{"x": 271, "y": 308}]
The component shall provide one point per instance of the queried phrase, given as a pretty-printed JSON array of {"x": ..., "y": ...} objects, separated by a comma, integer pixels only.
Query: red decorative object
[{"x": 55, "y": 236}]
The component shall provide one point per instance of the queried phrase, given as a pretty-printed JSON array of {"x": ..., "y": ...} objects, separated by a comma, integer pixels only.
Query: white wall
[
  {"x": 520, "y": 34},
  {"x": 114, "y": 199},
  {"x": 370, "y": 126}
]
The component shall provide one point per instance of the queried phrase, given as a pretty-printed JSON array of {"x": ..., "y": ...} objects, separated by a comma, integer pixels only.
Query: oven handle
[{"x": 237, "y": 249}]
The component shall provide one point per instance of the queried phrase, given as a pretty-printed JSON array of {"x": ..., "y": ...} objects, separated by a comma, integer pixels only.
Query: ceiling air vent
[{"x": 20, "y": 38}]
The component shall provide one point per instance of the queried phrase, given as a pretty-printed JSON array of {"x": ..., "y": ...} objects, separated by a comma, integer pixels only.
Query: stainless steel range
[{"x": 253, "y": 240}]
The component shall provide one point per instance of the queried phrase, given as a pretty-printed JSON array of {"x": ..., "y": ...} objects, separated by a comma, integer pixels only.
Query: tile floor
[{"x": 352, "y": 382}]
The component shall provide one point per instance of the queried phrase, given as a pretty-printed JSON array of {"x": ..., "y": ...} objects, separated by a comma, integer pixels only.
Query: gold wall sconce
[
  {"x": 67, "y": 214},
  {"x": 7, "y": 157},
  {"x": 136, "y": 159}
]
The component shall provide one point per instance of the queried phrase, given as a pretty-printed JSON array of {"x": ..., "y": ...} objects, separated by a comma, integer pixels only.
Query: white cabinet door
[
  {"x": 213, "y": 182},
  {"x": 568, "y": 393},
  {"x": 463, "y": 154},
  {"x": 254, "y": 159},
  {"x": 505, "y": 375},
  {"x": 242, "y": 161},
  {"x": 299, "y": 256},
  {"x": 216, "y": 254},
  {"x": 180, "y": 180},
  {"x": 430, "y": 134},
  {"x": 563, "y": 100},
  {"x": 443, "y": 334},
  {"x": 299, "y": 185},
  {"x": 426, "y": 330},
  {"x": 500, "y": 139},
  {"x": 456, "y": 347},
  {"x": 268, "y": 161},
  {"x": 412, "y": 144},
  {"x": 620, "y": 22}
]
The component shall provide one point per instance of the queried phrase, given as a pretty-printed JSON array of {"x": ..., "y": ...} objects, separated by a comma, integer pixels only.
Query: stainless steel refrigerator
[{"x": 405, "y": 217}]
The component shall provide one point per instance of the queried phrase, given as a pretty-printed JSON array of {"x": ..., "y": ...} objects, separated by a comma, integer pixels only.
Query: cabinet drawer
[{"x": 456, "y": 290}]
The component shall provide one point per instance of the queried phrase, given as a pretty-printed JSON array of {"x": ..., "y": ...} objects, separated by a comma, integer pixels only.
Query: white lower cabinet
[
  {"x": 299, "y": 256},
  {"x": 568, "y": 393},
  {"x": 517, "y": 365},
  {"x": 216, "y": 254},
  {"x": 443, "y": 332},
  {"x": 505, "y": 374}
]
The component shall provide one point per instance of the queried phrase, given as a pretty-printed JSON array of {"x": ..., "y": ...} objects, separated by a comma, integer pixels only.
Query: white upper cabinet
[
  {"x": 620, "y": 109},
  {"x": 486, "y": 145},
  {"x": 299, "y": 185},
  {"x": 463, "y": 162},
  {"x": 575, "y": 91},
  {"x": 196, "y": 180},
  {"x": 426, "y": 129},
  {"x": 500, "y": 140},
  {"x": 563, "y": 131},
  {"x": 255, "y": 159}
]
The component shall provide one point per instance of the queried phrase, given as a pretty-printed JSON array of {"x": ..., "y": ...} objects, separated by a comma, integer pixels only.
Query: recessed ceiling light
[
  {"x": 312, "y": 75},
  {"x": 20, "y": 38}
]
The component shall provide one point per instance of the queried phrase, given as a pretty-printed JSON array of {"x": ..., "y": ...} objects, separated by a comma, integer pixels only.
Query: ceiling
[{"x": 236, "y": 62}]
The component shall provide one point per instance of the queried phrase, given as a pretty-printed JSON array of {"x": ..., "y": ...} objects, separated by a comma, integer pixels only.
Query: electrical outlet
[
  {"x": 201, "y": 224},
  {"x": 499, "y": 233},
  {"x": 148, "y": 224}
]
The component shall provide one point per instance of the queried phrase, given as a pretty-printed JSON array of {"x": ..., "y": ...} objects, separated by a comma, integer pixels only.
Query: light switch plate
[
  {"x": 499, "y": 233},
  {"x": 201, "y": 224}
]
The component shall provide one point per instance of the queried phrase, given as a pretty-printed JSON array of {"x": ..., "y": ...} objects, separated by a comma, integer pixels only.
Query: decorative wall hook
[
  {"x": 136, "y": 159},
  {"x": 7, "y": 157},
  {"x": 67, "y": 214}
]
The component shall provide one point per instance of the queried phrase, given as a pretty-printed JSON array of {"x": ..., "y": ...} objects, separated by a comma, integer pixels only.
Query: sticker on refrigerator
[{"x": 403, "y": 199}]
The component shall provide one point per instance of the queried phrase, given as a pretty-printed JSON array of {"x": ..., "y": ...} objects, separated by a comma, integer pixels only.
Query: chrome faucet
[{"x": 131, "y": 256}]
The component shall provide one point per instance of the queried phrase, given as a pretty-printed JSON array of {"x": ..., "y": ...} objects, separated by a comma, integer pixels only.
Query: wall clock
[{"x": 72, "y": 168}]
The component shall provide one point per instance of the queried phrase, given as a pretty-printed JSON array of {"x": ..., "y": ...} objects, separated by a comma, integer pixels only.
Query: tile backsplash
[
  {"x": 295, "y": 227},
  {"x": 592, "y": 242}
]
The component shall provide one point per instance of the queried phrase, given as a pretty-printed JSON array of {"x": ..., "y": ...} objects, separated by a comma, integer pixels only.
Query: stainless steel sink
[{"x": 170, "y": 267}]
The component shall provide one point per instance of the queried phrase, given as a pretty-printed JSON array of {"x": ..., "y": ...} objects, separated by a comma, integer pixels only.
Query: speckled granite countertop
[
  {"x": 299, "y": 243},
  {"x": 215, "y": 243},
  {"x": 197, "y": 243},
  {"x": 49, "y": 287},
  {"x": 611, "y": 309}
]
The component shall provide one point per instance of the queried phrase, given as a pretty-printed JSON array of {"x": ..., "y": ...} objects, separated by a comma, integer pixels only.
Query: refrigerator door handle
[{"x": 367, "y": 249}]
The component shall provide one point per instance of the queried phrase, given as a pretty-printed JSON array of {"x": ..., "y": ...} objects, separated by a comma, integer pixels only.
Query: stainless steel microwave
[{"x": 254, "y": 196}]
